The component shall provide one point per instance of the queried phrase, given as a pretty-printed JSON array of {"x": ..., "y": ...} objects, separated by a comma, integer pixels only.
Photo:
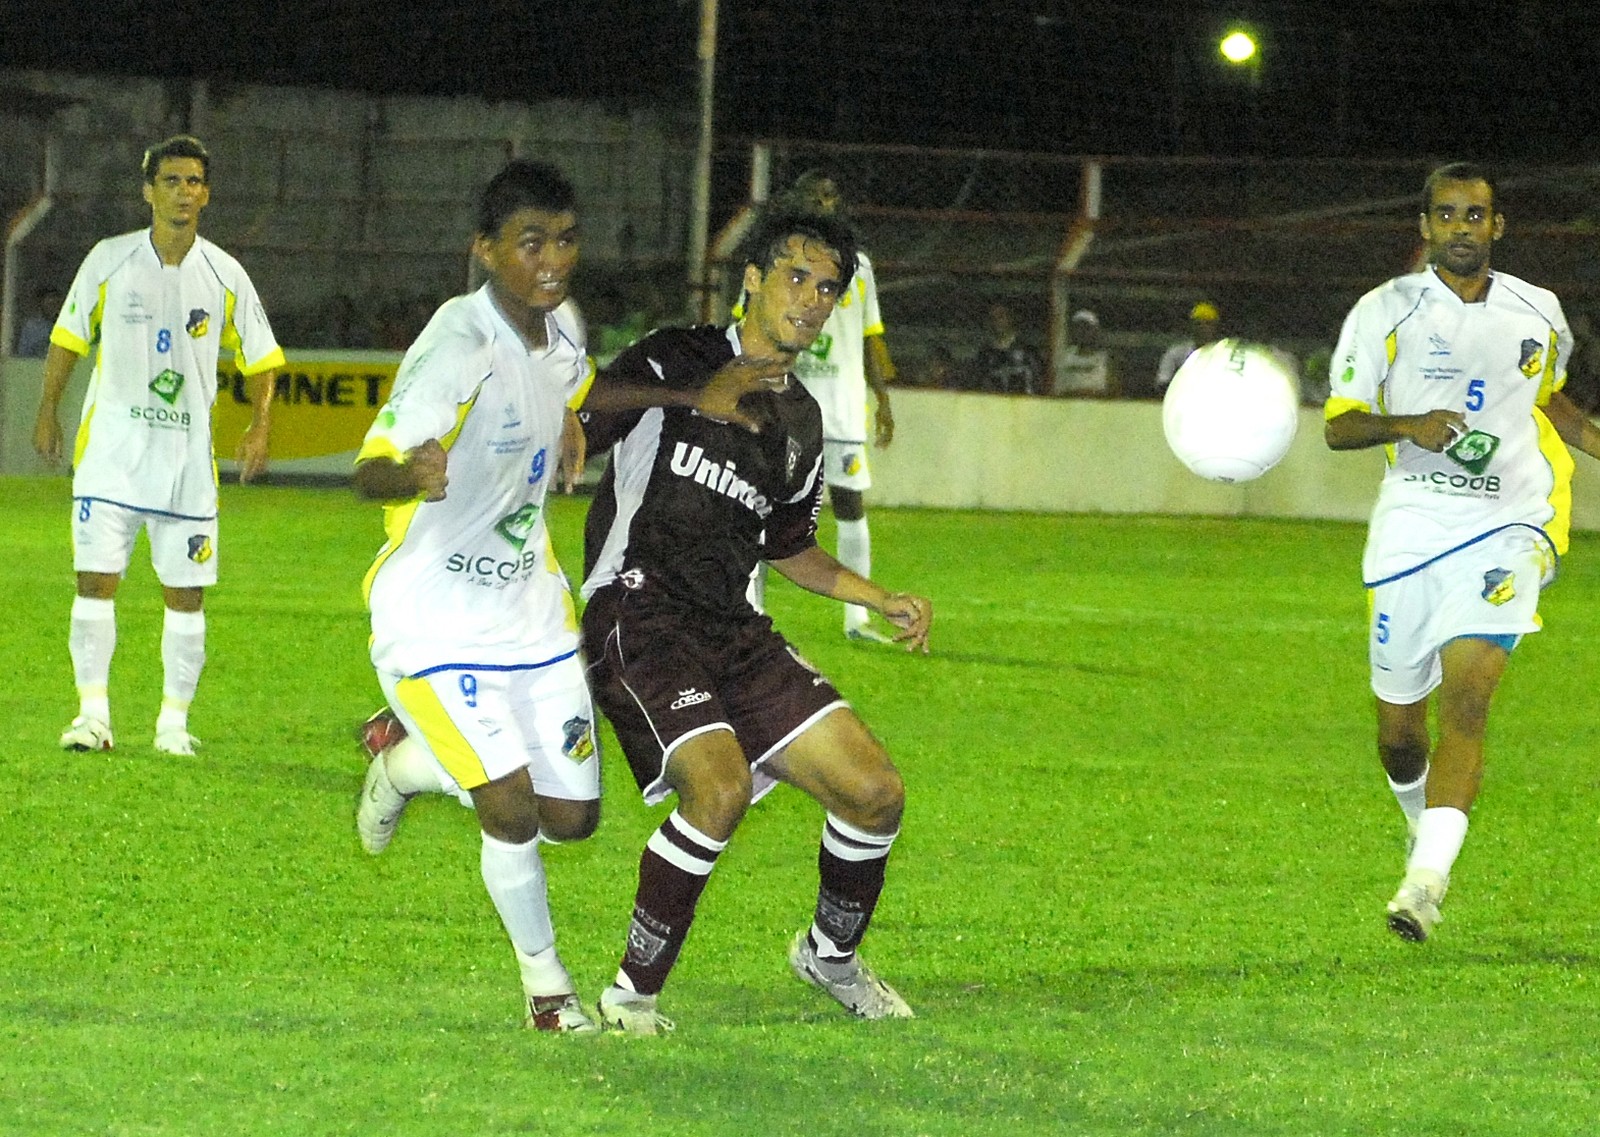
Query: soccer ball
[{"x": 1231, "y": 411}]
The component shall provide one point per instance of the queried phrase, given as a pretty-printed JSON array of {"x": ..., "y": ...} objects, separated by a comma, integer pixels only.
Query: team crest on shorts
[
  {"x": 578, "y": 739},
  {"x": 791, "y": 459},
  {"x": 1531, "y": 361},
  {"x": 631, "y": 579},
  {"x": 199, "y": 322},
  {"x": 852, "y": 463},
  {"x": 1499, "y": 586},
  {"x": 200, "y": 548}
]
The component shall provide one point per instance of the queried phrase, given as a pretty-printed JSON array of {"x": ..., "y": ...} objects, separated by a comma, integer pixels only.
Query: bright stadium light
[{"x": 1238, "y": 47}]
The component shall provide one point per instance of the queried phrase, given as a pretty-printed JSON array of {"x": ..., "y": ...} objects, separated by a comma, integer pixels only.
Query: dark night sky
[{"x": 1496, "y": 78}]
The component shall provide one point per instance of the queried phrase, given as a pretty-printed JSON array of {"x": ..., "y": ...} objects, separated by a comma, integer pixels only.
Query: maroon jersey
[{"x": 689, "y": 505}]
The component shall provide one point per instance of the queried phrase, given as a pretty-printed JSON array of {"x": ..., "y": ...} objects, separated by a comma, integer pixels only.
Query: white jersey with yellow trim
[
  {"x": 1411, "y": 346},
  {"x": 472, "y": 579},
  {"x": 833, "y": 368},
  {"x": 156, "y": 331}
]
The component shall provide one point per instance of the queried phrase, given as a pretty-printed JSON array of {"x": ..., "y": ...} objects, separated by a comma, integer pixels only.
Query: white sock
[
  {"x": 1413, "y": 797},
  {"x": 514, "y": 876},
  {"x": 183, "y": 655},
  {"x": 91, "y": 639},
  {"x": 411, "y": 768},
  {"x": 855, "y": 553},
  {"x": 1440, "y": 834}
]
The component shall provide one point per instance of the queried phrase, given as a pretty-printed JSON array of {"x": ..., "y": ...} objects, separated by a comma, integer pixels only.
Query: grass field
[{"x": 1139, "y": 890}]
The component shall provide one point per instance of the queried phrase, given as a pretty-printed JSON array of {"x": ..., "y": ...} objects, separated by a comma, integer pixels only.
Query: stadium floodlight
[{"x": 1238, "y": 47}]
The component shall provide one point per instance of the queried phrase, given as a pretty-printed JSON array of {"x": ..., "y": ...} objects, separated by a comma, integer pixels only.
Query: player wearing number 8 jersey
[
  {"x": 1457, "y": 371},
  {"x": 156, "y": 308}
]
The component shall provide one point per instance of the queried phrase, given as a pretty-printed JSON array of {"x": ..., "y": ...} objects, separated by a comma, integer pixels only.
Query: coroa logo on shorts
[
  {"x": 200, "y": 548},
  {"x": 578, "y": 741}
]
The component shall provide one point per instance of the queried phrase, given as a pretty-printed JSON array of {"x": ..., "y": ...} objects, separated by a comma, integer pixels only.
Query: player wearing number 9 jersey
[
  {"x": 473, "y": 633},
  {"x": 1457, "y": 371}
]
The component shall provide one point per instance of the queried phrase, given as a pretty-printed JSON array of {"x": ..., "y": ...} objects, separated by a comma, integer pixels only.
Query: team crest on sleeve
[
  {"x": 200, "y": 548},
  {"x": 578, "y": 738},
  {"x": 198, "y": 323},
  {"x": 1499, "y": 586},
  {"x": 1531, "y": 361}
]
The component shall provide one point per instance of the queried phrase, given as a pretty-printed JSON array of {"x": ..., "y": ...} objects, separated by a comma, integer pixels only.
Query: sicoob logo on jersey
[
  {"x": 199, "y": 548},
  {"x": 167, "y": 385},
  {"x": 578, "y": 743},
  {"x": 1531, "y": 361},
  {"x": 516, "y": 527},
  {"x": 1473, "y": 450},
  {"x": 199, "y": 322}
]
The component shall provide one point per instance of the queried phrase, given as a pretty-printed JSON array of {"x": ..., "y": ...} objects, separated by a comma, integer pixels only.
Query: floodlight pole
[{"x": 700, "y": 213}]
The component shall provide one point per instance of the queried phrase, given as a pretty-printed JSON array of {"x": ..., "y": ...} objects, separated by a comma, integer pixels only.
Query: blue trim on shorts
[
  {"x": 142, "y": 509},
  {"x": 1467, "y": 545},
  {"x": 423, "y": 674}
]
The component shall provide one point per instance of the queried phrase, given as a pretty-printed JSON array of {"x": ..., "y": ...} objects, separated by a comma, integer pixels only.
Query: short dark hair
[
  {"x": 523, "y": 184},
  {"x": 1459, "y": 172},
  {"x": 769, "y": 239},
  {"x": 178, "y": 146}
]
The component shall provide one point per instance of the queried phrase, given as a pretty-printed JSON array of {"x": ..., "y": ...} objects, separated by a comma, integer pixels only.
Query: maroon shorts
[{"x": 663, "y": 673}]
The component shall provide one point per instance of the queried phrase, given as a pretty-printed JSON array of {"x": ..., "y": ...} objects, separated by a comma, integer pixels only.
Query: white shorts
[
  {"x": 481, "y": 724},
  {"x": 844, "y": 464},
  {"x": 1490, "y": 588},
  {"x": 182, "y": 549}
]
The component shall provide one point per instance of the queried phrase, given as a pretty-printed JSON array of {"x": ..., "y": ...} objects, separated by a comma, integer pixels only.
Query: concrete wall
[
  {"x": 322, "y": 192},
  {"x": 954, "y": 450}
]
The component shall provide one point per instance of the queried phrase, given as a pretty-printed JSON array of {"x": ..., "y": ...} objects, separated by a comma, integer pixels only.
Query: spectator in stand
[
  {"x": 1005, "y": 365},
  {"x": 1205, "y": 326},
  {"x": 33, "y": 338},
  {"x": 1084, "y": 365}
]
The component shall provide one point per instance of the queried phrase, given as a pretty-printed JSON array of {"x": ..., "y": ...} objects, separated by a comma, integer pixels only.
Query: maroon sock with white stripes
[
  {"x": 673, "y": 871},
  {"x": 851, "y": 863}
]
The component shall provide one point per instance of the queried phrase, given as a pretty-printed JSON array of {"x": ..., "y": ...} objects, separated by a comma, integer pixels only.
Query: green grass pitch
[{"x": 1139, "y": 891}]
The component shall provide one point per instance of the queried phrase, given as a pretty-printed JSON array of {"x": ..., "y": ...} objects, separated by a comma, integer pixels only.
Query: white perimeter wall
[{"x": 954, "y": 450}]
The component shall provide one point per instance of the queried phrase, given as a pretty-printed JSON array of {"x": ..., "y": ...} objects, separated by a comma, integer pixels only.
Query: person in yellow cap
[{"x": 1205, "y": 326}]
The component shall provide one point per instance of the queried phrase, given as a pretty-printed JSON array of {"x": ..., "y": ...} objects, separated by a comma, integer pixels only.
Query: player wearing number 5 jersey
[
  {"x": 156, "y": 308},
  {"x": 1457, "y": 371}
]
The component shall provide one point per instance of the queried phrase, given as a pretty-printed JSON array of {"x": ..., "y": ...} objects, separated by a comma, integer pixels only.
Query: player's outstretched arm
[
  {"x": 816, "y": 570},
  {"x": 422, "y": 474},
  {"x": 718, "y": 398},
  {"x": 1356, "y": 429},
  {"x": 1573, "y": 425}
]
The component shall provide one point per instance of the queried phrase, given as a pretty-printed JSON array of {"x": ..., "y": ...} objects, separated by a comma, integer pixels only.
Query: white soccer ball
[{"x": 1231, "y": 411}]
